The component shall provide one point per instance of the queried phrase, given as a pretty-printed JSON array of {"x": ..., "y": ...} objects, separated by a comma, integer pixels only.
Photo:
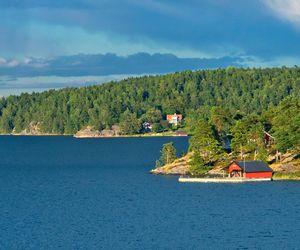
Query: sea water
[{"x": 66, "y": 193}]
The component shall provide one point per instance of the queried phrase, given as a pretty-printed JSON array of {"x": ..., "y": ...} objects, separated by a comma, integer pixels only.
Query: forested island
[
  {"x": 232, "y": 112},
  {"x": 233, "y": 93}
]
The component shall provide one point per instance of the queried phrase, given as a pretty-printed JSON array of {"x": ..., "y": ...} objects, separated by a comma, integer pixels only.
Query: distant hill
[{"x": 240, "y": 91}]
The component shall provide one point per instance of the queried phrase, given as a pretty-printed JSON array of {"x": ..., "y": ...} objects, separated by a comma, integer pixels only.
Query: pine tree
[
  {"x": 197, "y": 166},
  {"x": 204, "y": 143},
  {"x": 248, "y": 137},
  {"x": 286, "y": 124},
  {"x": 130, "y": 124},
  {"x": 239, "y": 141},
  {"x": 168, "y": 153}
]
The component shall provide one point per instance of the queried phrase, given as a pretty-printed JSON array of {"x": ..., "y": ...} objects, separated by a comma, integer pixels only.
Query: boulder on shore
[
  {"x": 178, "y": 167},
  {"x": 32, "y": 129},
  {"x": 88, "y": 132},
  {"x": 91, "y": 132}
]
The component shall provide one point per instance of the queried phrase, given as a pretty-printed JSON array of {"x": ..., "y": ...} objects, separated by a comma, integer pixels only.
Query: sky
[{"x": 56, "y": 43}]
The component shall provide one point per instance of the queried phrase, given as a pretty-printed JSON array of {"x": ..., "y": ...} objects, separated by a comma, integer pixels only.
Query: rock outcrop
[
  {"x": 32, "y": 129},
  {"x": 91, "y": 132},
  {"x": 289, "y": 163},
  {"x": 178, "y": 167},
  {"x": 88, "y": 132}
]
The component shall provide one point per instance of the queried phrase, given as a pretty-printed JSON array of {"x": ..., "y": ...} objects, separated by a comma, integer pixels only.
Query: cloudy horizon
[{"x": 81, "y": 38}]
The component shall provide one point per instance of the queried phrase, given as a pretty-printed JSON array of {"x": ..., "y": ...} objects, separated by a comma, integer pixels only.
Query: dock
[{"x": 222, "y": 180}]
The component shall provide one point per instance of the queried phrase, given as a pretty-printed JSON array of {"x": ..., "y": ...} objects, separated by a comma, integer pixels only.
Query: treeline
[
  {"x": 220, "y": 137},
  {"x": 233, "y": 92}
]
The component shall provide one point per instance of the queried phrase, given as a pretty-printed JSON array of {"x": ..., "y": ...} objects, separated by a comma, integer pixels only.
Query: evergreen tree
[
  {"x": 129, "y": 123},
  {"x": 286, "y": 124},
  {"x": 240, "y": 138},
  {"x": 157, "y": 127},
  {"x": 197, "y": 166},
  {"x": 204, "y": 145},
  {"x": 152, "y": 116},
  {"x": 222, "y": 120},
  {"x": 168, "y": 153},
  {"x": 248, "y": 138},
  {"x": 196, "y": 95}
]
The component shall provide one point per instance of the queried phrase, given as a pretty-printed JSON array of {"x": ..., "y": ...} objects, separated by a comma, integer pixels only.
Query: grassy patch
[{"x": 286, "y": 176}]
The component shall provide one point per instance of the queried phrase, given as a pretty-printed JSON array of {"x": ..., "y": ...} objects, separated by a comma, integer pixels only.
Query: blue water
[{"x": 65, "y": 193}]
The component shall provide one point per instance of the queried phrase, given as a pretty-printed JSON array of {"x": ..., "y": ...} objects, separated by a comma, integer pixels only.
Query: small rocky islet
[{"x": 287, "y": 168}]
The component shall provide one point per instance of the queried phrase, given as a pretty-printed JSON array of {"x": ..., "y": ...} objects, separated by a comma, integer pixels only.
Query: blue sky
[{"x": 37, "y": 37}]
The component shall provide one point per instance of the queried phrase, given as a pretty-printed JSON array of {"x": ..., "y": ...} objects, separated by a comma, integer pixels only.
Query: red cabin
[{"x": 250, "y": 169}]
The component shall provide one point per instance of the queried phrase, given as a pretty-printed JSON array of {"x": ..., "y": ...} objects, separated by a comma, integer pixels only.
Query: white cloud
[
  {"x": 2, "y": 61},
  {"x": 12, "y": 63},
  {"x": 288, "y": 10},
  {"x": 27, "y": 60},
  {"x": 8, "y": 63},
  {"x": 30, "y": 62}
]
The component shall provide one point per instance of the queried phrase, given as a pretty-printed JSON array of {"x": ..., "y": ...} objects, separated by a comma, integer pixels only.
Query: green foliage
[
  {"x": 222, "y": 97},
  {"x": 129, "y": 123},
  {"x": 240, "y": 137},
  {"x": 205, "y": 149},
  {"x": 285, "y": 124},
  {"x": 248, "y": 138},
  {"x": 222, "y": 120},
  {"x": 285, "y": 176},
  {"x": 6, "y": 122},
  {"x": 262, "y": 153},
  {"x": 164, "y": 125},
  {"x": 152, "y": 116},
  {"x": 157, "y": 127},
  {"x": 168, "y": 153},
  {"x": 157, "y": 164},
  {"x": 204, "y": 144},
  {"x": 197, "y": 166},
  {"x": 193, "y": 116}
]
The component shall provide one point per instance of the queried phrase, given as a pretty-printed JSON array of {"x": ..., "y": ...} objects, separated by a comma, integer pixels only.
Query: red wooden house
[{"x": 250, "y": 169}]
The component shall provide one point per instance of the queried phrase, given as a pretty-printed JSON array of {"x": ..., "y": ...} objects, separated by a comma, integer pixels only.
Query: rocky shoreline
[
  {"x": 90, "y": 132},
  {"x": 287, "y": 169},
  {"x": 178, "y": 167}
]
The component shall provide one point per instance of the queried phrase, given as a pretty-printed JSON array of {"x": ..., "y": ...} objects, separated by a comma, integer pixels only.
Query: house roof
[
  {"x": 254, "y": 166},
  {"x": 177, "y": 116}
]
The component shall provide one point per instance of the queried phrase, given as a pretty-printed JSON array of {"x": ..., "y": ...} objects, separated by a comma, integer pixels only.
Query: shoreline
[
  {"x": 221, "y": 180},
  {"x": 228, "y": 180},
  {"x": 286, "y": 178},
  {"x": 189, "y": 178},
  {"x": 95, "y": 137},
  {"x": 130, "y": 136}
]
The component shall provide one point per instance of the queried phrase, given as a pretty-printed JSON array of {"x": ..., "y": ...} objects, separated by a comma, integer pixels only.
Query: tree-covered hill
[{"x": 238, "y": 91}]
